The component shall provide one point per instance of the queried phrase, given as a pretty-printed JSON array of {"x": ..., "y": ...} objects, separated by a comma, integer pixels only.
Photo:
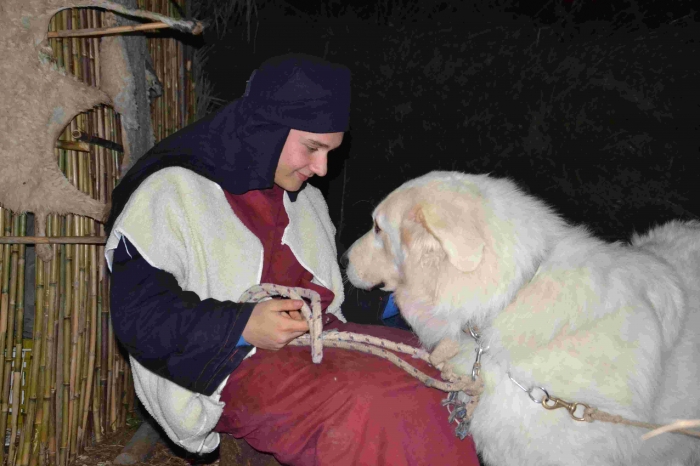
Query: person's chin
[{"x": 292, "y": 185}]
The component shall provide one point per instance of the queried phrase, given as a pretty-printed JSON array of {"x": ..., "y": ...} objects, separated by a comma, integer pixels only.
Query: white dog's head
[{"x": 454, "y": 248}]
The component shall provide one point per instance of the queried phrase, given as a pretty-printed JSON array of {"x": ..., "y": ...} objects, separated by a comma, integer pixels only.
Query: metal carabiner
[
  {"x": 474, "y": 333},
  {"x": 476, "y": 368},
  {"x": 570, "y": 407}
]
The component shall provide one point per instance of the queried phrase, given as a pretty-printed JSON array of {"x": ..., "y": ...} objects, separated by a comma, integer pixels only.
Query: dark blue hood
[{"x": 239, "y": 146}]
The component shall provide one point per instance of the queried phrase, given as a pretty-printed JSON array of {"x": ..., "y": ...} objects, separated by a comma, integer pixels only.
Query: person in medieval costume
[{"x": 223, "y": 205}]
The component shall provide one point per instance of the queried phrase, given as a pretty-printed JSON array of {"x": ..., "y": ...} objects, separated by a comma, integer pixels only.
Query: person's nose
[{"x": 320, "y": 165}]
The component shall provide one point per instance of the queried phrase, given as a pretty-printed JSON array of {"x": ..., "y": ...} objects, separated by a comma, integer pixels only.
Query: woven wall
[{"x": 65, "y": 384}]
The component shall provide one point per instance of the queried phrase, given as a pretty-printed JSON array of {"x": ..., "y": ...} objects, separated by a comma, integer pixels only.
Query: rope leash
[
  {"x": 590, "y": 414},
  {"x": 460, "y": 410},
  {"x": 317, "y": 338},
  {"x": 257, "y": 293}
]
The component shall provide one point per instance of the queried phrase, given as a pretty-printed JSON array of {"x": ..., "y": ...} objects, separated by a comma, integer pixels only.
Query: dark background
[{"x": 591, "y": 105}]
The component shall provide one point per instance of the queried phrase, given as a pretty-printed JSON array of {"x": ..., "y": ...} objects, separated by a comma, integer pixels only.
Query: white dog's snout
[{"x": 355, "y": 278}]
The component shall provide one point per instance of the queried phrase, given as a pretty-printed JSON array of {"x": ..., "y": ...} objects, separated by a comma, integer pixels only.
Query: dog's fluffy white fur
[{"x": 614, "y": 326}]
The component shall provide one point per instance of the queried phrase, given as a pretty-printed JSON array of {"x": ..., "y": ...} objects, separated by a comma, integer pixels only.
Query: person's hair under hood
[{"x": 239, "y": 146}]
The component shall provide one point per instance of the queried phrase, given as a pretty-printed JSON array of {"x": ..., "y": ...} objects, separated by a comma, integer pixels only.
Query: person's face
[{"x": 303, "y": 156}]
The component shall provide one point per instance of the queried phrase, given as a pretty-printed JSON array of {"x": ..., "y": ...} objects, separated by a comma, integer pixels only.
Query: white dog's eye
[{"x": 377, "y": 230}]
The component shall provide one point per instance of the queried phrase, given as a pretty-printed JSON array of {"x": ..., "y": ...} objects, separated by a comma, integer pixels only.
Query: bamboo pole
[
  {"x": 84, "y": 44},
  {"x": 18, "y": 346},
  {"x": 87, "y": 137},
  {"x": 5, "y": 301},
  {"x": 96, "y": 22},
  {"x": 110, "y": 378},
  {"x": 55, "y": 43},
  {"x": 66, "y": 23},
  {"x": 75, "y": 45},
  {"x": 47, "y": 434},
  {"x": 103, "y": 179},
  {"x": 73, "y": 145},
  {"x": 62, "y": 411},
  {"x": 37, "y": 360},
  {"x": 93, "y": 335},
  {"x": 51, "y": 392},
  {"x": 9, "y": 327},
  {"x": 104, "y": 354},
  {"x": 79, "y": 351},
  {"x": 43, "y": 349},
  {"x": 162, "y": 121},
  {"x": 104, "y": 349},
  {"x": 53, "y": 240},
  {"x": 92, "y": 251},
  {"x": 98, "y": 32},
  {"x": 72, "y": 321},
  {"x": 16, "y": 390}
]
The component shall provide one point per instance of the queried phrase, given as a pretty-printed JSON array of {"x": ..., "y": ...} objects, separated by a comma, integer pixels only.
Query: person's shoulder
[
  {"x": 171, "y": 175},
  {"x": 178, "y": 179}
]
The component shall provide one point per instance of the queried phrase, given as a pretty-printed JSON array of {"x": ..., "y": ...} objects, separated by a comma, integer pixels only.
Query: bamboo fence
[
  {"x": 69, "y": 386},
  {"x": 172, "y": 61}
]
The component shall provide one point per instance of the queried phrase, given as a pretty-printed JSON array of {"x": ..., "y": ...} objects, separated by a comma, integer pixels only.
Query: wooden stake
[{"x": 98, "y": 32}]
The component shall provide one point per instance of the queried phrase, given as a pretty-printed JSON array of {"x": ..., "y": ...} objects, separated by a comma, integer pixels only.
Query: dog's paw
[
  {"x": 461, "y": 363},
  {"x": 446, "y": 349}
]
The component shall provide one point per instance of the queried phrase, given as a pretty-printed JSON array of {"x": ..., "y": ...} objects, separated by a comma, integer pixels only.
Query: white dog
[{"x": 611, "y": 326}]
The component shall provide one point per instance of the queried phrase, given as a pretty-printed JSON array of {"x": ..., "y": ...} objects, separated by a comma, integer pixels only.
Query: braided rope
[
  {"x": 358, "y": 342},
  {"x": 592, "y": 414},
  {"x": 257, "y": 293},
  {"x": 383, "y": 348}
]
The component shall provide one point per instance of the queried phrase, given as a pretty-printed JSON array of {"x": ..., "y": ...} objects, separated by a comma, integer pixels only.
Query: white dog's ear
[{"x": 457, "y": 233}]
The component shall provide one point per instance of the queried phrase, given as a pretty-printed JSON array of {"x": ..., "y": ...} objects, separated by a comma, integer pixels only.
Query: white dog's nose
[{"x": 344, "y": 261}]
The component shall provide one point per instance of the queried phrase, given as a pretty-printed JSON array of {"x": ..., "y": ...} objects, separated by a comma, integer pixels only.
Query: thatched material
[{"x": 39, "y": 101}]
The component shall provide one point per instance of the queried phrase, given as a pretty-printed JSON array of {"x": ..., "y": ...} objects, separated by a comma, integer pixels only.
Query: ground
[{"x": 105, "y": 453}]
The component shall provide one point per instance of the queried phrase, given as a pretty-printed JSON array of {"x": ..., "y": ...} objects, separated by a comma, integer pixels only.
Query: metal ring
[
  {"x": 545, "y": 397},
  {"x": 516, "y": 382}
]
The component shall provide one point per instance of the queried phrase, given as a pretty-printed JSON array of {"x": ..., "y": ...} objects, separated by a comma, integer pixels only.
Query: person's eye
[{"x": 312, "y": 149}]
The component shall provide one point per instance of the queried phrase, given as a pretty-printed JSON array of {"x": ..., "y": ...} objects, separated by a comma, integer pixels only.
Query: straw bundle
[{"x": 75, "y": 386}]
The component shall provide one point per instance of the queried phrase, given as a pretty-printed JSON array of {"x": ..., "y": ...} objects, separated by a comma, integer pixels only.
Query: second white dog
[{"x": 613, "y": 326}]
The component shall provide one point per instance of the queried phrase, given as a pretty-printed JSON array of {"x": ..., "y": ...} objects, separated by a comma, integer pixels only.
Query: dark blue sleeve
[{"x": 192, "y": 342}]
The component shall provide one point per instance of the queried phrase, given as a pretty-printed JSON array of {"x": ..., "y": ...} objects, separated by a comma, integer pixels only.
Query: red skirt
[{"x": 352, "y": 409}]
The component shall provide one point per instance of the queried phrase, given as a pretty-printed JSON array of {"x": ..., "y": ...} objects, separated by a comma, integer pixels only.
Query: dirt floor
[{"x": 105, "y": 453}]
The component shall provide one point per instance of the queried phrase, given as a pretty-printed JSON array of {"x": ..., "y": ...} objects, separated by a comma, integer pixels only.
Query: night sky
[{"x": 591, "y": 105}]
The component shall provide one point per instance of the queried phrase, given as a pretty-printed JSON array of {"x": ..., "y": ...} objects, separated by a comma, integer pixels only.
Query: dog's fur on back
[{"x": 614, "y": 326}]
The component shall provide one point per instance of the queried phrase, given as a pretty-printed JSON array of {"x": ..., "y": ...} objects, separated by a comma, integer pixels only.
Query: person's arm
[
  {"x": 194, "y": 343},
  {"x": 172, "y": 332}
]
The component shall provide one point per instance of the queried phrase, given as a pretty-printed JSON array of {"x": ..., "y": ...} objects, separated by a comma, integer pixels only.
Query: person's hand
[{"x": 274, "y": 323}]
